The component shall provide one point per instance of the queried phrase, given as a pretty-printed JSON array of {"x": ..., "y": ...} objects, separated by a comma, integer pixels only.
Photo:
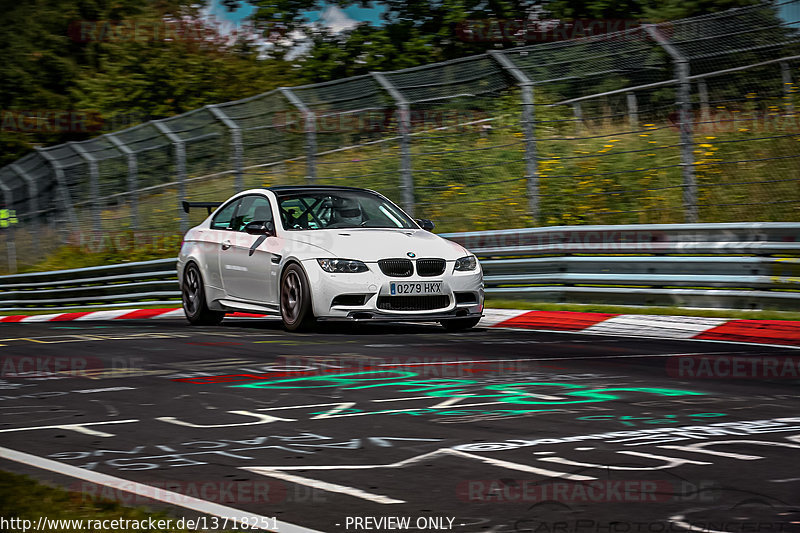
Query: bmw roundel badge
[{"x": 411, "y": 254}]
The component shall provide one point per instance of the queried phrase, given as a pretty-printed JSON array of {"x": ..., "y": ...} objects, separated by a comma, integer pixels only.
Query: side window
[
  {"x": 251, "y": 209},
  {"x": 222, "y": 220}
]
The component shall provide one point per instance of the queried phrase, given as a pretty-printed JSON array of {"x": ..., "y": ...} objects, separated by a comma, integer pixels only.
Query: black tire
[
  {"x": 296, "y": 310},
  {"x": 460, "y": 324},
  {"x": 193, "y": 295}
]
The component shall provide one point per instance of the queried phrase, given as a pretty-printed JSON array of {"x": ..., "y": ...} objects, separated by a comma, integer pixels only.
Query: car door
[
  {"x": 219, "y": 231},
  {"x": 249, "y": 264}
]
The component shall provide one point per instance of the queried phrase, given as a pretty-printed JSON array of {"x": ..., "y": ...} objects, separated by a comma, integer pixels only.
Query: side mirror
[
  {"x": 260, "y": 228},
  {"x": 426, "y": 224}
]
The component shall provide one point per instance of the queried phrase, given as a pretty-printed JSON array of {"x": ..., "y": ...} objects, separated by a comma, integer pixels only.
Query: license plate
[{"x": 422, "y": 287}]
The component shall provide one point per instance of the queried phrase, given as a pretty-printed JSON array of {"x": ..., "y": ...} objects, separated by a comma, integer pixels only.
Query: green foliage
[
  {"x": 652, "y": 10},
  {"x": 162, "y": 79},
  {"x": 24, "y": 498},
  {"x": 48, "y": 66}
]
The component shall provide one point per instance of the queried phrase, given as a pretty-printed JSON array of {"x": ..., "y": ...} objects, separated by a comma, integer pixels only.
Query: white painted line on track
[
  {"x": 679, "y": 521},
  {"x": 330, "y": 487},
  {"x": 280, "y": 472},
  {"x": 172, "y": 498}
]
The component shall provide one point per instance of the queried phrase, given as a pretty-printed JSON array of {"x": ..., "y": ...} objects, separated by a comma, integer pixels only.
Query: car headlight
[
  {"x": 342, "y": 265},
  {"x": 466, "y": 263}
]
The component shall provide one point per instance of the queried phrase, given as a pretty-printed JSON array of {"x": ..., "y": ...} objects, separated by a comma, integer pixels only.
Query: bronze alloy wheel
[
  {"x": 194, "y": 299},
  {"x": 295, "y": 299}
]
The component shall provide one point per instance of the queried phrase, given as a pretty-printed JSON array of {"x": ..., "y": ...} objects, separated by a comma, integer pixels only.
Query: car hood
[{"x": 372, "y": 244}]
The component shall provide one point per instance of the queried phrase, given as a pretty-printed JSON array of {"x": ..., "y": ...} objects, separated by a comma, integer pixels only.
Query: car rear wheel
[
  {"x": 460, "y": 324},
  {"x": 295, "y": 299},
  {"x": 193, "y": 295}
]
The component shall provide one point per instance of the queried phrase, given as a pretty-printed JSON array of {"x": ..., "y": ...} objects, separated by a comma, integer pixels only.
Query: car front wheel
[
  {"x": 295, "y": 299},
  {"x": 193, "y": 295}
]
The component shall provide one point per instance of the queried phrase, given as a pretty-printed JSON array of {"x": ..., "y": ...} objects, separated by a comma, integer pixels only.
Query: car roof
[{"x": 302, "y": 188}]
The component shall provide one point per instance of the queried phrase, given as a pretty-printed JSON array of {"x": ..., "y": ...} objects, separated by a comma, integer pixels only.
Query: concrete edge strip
[
  {"x": 764, "y": 332},
  {"x": 155, "y": 493}
]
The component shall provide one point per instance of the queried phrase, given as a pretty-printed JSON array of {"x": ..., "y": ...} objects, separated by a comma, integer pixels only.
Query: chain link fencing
[{"x": 694, "y": 120}]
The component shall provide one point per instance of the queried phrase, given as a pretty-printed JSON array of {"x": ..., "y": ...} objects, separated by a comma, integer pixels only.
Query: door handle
[{"x": 226, "y": 244}]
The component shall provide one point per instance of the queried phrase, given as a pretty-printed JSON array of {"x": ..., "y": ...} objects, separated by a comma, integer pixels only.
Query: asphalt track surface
[{"x": 489, "y": 430}]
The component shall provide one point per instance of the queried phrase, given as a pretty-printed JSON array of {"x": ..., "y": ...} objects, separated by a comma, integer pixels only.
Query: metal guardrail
[
  {"x": 124, "y": 285},
  {"x": 735, "y": 265},
  {"x": 730, "y": 265}
]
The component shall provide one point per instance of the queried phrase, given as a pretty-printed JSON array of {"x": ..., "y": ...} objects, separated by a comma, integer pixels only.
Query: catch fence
[{"x": 694, "y": 120}]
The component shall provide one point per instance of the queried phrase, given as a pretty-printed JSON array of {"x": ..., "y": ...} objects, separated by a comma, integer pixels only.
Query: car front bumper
[{"x": 374, "y": 285}]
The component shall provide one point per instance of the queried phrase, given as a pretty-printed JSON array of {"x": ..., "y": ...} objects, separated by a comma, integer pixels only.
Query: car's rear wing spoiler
[{"x": 208, "y": 205}]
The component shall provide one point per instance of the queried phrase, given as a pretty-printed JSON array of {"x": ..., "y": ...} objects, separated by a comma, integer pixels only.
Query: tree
[{"x": 61, "y": 56}]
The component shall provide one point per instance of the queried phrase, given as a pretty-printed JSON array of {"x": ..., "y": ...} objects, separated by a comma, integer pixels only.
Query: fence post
[
  {"x": 786, "y": 78},
  {"x": 684, "y": 103},
  {"x": 236, "y": 141},
  {"x": 94, "y": 185},
  {"x": 180, "y": 167},
  {"x": 66, "y": 199},
  {"x": 11, "y": 243},
  {"x": 529, "y": 129},
  {"x": 311, "y": 133},
  {"x": 633, "y": 110},
  {"x": 133, "y": 178},
  {"x": 33, "y": 192},
  {"x": 404, "y": 125}
]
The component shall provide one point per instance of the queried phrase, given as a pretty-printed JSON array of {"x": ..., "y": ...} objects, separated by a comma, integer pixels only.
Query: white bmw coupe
[{"x": 324, "y": 253}]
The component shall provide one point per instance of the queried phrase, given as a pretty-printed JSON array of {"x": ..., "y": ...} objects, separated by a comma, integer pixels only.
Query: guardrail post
[
  {"x": 66, "y": 199},
  {"x": 33, "y": 192},
  {"x": 786, "y": 78},
  {"x": 180, "y": 167},
  {"x": 529, "y": 130},
  {"x": 633, "y": 110},
  {"x": 311, "y": 133},
  {"x": 11, "y": 243},
  {"x": 684, "y": 103},
  {"x": 133, "y": 178},
  {"x": 236, "y": 145},
  {"x": 94, "y": 185},
  {"x": 404, "y": 124}
]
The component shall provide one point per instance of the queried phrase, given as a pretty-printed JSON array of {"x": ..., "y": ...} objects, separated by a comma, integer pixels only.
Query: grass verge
[{"x": 27, "y": 499}]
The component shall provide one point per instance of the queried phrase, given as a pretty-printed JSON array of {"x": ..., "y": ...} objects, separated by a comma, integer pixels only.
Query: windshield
[{"x": 330, "y": 209}]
